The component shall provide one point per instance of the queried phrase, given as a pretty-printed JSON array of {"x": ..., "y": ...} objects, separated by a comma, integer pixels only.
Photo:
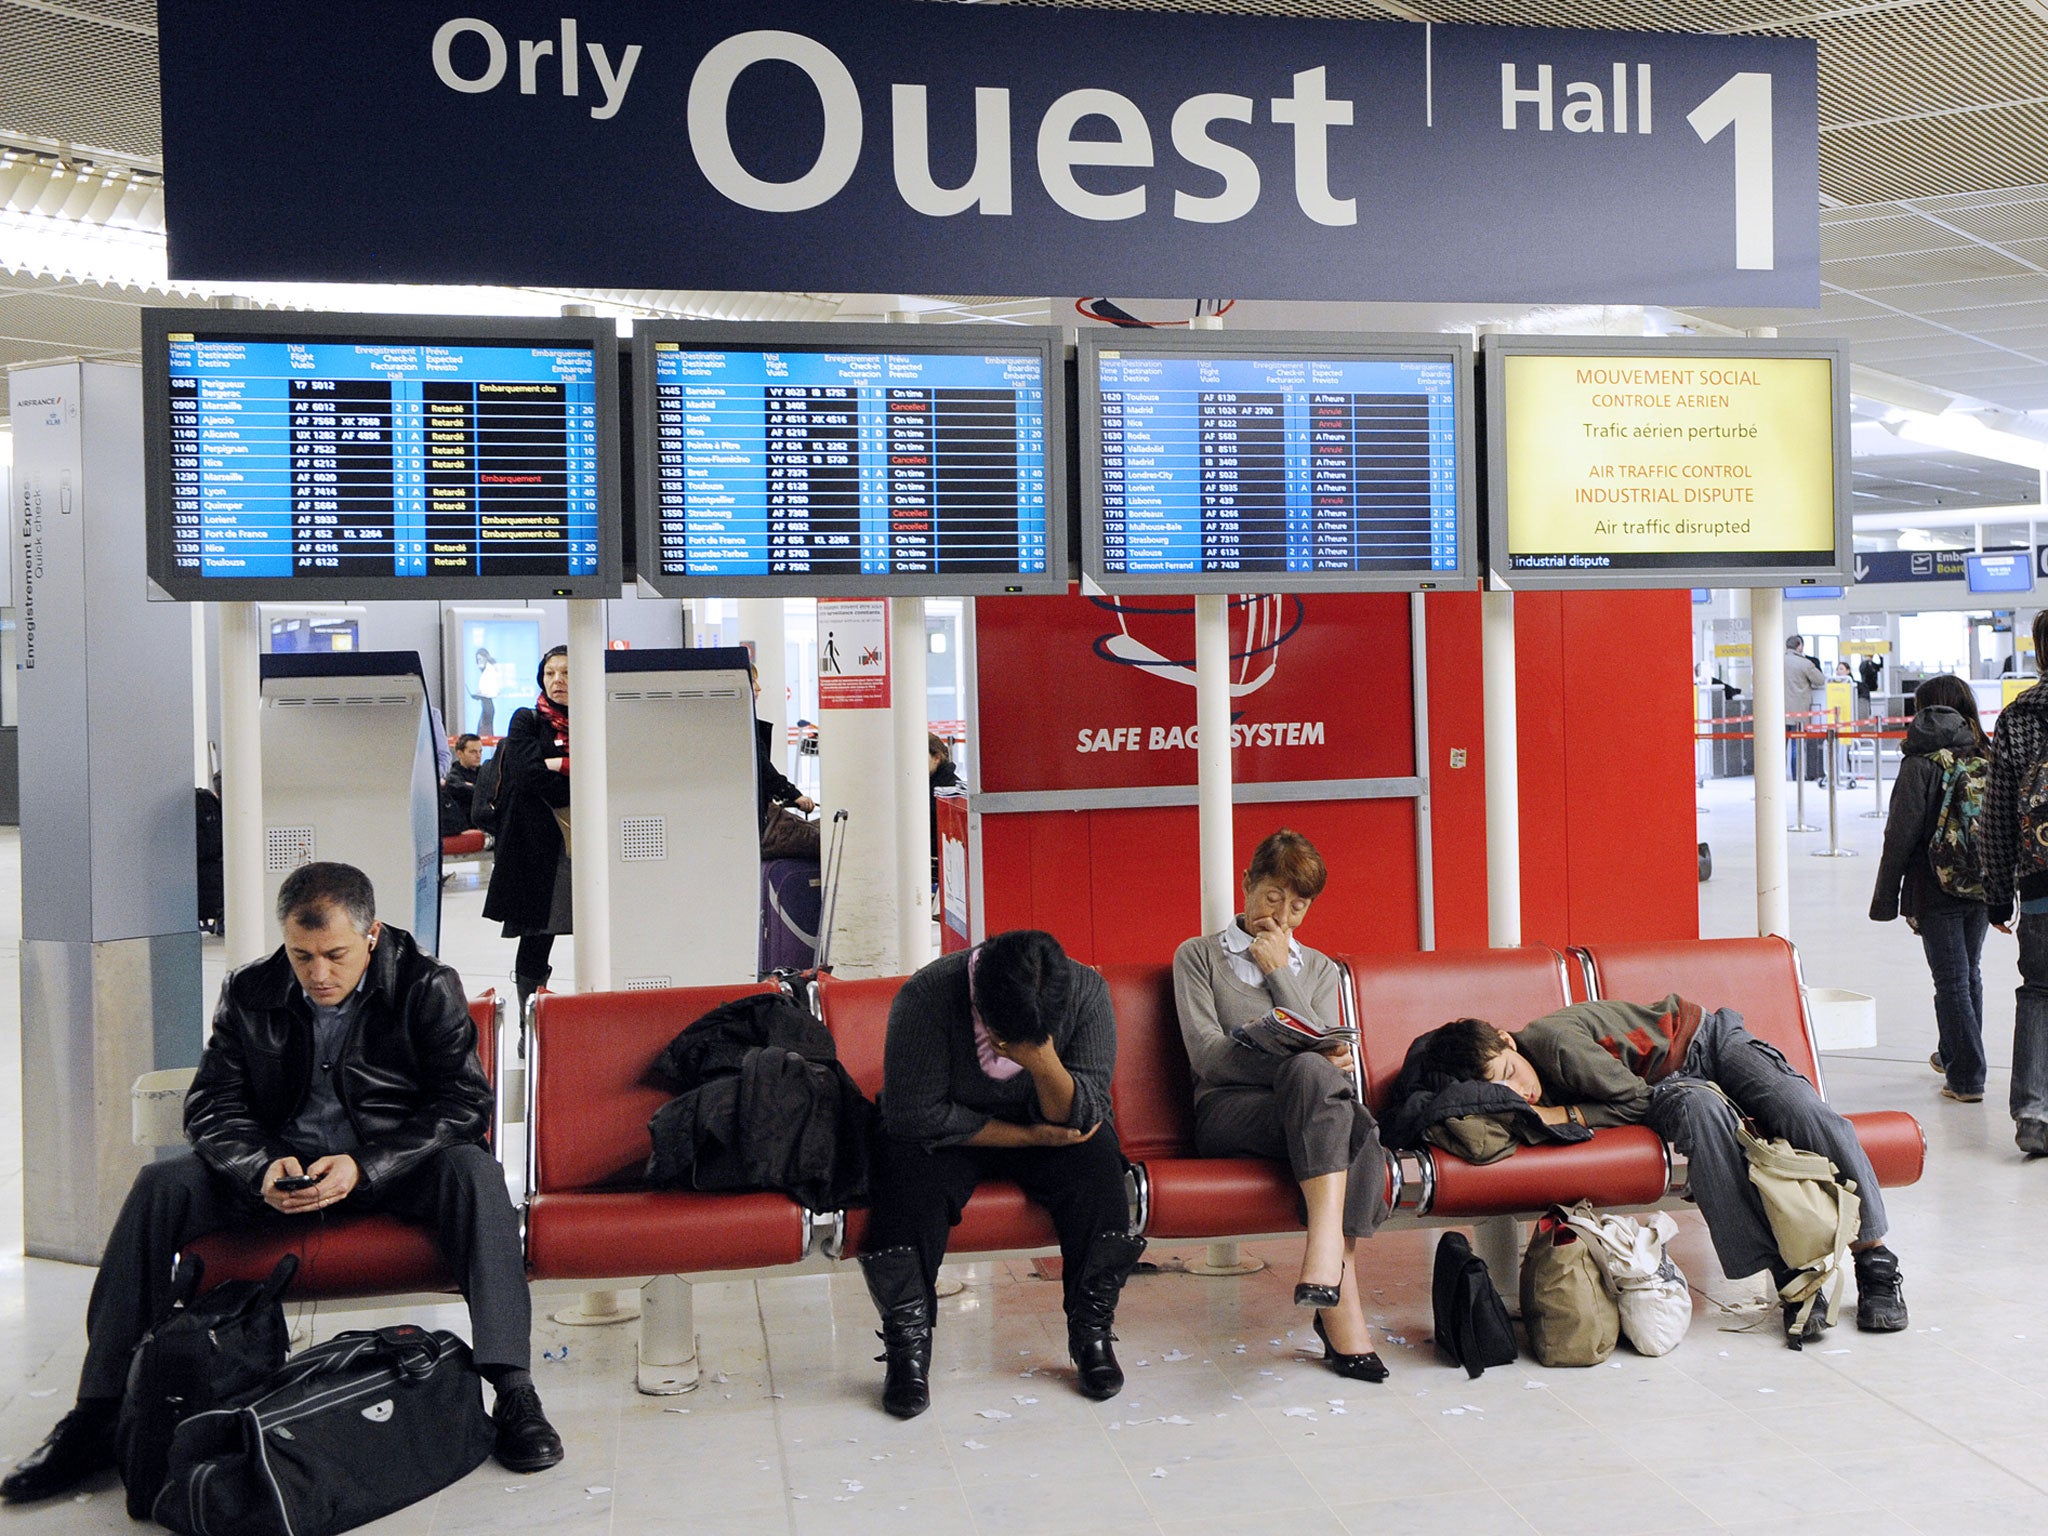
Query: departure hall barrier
[{"x": 1836, "y": 738}]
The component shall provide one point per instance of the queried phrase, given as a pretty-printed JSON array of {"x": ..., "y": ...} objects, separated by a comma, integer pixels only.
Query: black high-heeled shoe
[
  {"x": 1366, "y": 1367},
  {"x": 1309, "y": 1294}
]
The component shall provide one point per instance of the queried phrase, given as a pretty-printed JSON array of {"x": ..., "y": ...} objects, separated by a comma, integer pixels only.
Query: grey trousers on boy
[{"x": 1701, "y": 1125}]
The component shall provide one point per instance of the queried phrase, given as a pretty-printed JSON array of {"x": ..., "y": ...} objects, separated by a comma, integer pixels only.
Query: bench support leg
[
  {"x": 668, "y": 1337},
  {"x": 1220, "y": 1259},
  {"x": 1498, "y": 1240},
  {"x": 595, "y": 1309}
]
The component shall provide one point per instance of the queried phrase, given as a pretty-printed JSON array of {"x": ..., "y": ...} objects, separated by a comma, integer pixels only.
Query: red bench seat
[
  {"x": 592, "y": 1093},
  {"x": 1759, "y": 979}
]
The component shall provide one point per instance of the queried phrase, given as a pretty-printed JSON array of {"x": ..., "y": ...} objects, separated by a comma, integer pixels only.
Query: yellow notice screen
[{"x": 1658, "y": 462}]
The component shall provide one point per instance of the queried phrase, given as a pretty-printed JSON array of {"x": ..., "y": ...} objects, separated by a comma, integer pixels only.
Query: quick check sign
[{"x": 892, "y": 147}]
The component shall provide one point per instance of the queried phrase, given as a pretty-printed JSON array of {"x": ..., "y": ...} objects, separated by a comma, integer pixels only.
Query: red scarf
[{"x": 557, "y": 716}]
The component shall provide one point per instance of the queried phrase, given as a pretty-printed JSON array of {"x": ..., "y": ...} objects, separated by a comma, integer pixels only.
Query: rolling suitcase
[
  {"x": 792, "y": 901},
  {"x": 797, "y": 901}
]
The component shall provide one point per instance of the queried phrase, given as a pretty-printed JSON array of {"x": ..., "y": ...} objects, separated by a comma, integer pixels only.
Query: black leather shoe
[
  {"x": 80, "y": 1445},
  {"x": 1366, "y": 1367},
  {"x": 1091, "y": 1312},
  {"x": 527, "y": 1442}
]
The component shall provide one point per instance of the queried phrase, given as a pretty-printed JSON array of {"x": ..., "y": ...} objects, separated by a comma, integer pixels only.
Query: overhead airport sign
[{"x": 892, "y": 147}]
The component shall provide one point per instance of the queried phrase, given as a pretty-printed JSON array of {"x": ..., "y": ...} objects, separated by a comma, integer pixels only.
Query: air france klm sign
[{"x": 1001, "y": 149}]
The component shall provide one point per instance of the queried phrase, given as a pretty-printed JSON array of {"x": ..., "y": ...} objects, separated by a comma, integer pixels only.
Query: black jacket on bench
[{"x": 765, "y": 1106}]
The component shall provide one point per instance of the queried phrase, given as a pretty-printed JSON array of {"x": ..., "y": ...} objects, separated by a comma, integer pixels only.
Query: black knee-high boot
[
  {"x": 895, "y": 1278},
  {"x": 1092, "y": 1312}
]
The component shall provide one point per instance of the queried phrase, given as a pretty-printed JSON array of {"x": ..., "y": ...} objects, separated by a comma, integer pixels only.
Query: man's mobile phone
[{"x": 292, "y": 1183}]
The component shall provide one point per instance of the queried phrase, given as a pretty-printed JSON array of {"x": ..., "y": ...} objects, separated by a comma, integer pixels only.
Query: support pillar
[
  {"x": 1503, "y": 771},
  {"x": 857, "y": 774},
  {"x": 1767, "y": 733},
  {"x": 241, "y": 784},
  {"x": 911, "y": 711},
  {"x": 110, "y": 957},
  {"x": 1212, "y": 761}
]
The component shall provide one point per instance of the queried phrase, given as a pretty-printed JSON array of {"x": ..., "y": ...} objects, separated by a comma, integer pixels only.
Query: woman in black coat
[{"x": 530, "y": 874}]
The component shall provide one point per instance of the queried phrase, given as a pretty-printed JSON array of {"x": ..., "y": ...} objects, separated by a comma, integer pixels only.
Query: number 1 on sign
[{"x": 1744, "y": 104}]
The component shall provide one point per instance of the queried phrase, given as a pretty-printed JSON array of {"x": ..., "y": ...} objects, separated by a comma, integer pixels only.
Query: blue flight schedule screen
[
  {"x": 1307, "y": 464},
  {"x": 802, "y": 463},
  {"x": 341, "y": 458}
]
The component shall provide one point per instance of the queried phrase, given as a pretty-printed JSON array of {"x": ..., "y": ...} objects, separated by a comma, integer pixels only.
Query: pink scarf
[{"x": 999, "y": 1068}]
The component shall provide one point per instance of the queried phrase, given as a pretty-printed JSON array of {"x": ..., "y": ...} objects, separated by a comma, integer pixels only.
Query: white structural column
[
  {"x": 1212, "y": 760},
  {"x": 857, "y": 774},
  {"x": 761, "y": 626},
  {"x": 1503, "y": 771},
  {"x": 911, "y": 710},
  {"x": 1425, "y": 840},
  {"x": 589, "y": 797},
  {"x": 202, "y": 766},
  {"x": 241, "y": 782},
  {"x": 1767, "y": 734}
]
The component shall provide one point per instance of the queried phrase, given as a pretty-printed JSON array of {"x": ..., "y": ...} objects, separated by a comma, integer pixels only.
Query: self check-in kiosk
[
  {"x": 350, "y": 775},
  {"x": 684, "y": 847}
]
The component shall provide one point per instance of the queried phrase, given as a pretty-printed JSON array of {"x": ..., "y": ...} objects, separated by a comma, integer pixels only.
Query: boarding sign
[{"x": 896, "y": 147}]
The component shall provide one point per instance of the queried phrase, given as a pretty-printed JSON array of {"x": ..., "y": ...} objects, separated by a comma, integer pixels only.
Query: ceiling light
[{"x": 1961, "y": 433}]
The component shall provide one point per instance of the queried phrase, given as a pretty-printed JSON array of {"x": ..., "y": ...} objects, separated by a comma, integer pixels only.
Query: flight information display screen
[
  {"x": 1210, "y": 467},
  {"x": 787, "y": 460},
  {"x": 406, "y": 465}
]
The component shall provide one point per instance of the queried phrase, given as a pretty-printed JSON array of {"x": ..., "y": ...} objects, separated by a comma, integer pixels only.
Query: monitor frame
[
  {"x": 1684, "y": 571},
  {"x": 1356, "y": 346},
  {"x": 1973, "y": 563},
  {"x": 809, "y": 336},
  {"x": 456, "y": 330}
]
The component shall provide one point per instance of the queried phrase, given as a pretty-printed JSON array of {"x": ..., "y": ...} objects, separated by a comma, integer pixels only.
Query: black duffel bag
[
  {"x": 204, "y": 1352},
  {"x": 347, "y": 1432}
]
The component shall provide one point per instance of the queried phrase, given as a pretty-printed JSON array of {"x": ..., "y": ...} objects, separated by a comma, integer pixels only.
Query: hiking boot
[
  {"x": 2032, "y": 1137},
  {"x": 526, "y": 1442},
  {"x": 1938, "y": 1064},
  {"x": 1956, "y": 1096},
  {"x": 1880, "y": 1298},
  {"x": 896, "y": 1282},
  {"x": 80, "y": 1445},
  {"x": 1092, "y": 1312}
]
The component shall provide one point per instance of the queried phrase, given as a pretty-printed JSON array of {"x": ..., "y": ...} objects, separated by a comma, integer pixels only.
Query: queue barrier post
[
  {"x": 1834, "y": 849},
  {"x": 1799, "y": 822},
  {"x": 1876, "y": 812}
]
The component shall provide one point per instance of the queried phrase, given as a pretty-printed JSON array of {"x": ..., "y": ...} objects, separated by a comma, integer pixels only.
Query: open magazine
[{"x": 1282, "y": 1033}]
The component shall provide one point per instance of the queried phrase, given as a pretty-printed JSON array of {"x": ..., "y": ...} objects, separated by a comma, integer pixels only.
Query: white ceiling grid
[{"x": 1933, "y": 173}]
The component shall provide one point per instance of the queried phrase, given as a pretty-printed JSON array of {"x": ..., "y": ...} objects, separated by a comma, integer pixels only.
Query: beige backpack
[{"x": 1814, "y": 1214}]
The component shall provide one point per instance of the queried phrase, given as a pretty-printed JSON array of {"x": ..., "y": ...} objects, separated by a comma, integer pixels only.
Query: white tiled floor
[{"x": 1228, "y": 1425}]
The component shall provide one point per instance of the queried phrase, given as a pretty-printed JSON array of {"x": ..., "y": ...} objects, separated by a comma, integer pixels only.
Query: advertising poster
[
  {"x": 500, "y": 660},
  {"x": 1099, "y": 692},
  {"x": 853, "y": 653}
]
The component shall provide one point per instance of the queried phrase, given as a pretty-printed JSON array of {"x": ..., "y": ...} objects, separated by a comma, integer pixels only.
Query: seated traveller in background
[
  {"x": 346, "y": 1057},
  {"x": 1615, "y": 1063},
  {"x": 1304, "y": 1107},
  {"x": 458, "y": 785},
  {"x": 997, "y": 1065}
]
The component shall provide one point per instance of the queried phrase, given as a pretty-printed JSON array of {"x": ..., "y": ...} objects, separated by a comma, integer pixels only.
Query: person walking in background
[
  {"x": 2014, "y": 839},
  {"x": 1803, "y": 681},
  {"x": 1931, "y": 871},
  {"x": 529, "y": 891}
]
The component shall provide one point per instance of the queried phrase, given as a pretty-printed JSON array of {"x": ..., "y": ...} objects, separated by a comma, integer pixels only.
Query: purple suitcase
[{"x": 792, "y": 900}]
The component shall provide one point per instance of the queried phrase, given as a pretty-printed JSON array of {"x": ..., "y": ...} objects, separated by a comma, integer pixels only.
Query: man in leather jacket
[{"x": 341, "y": 1072}]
